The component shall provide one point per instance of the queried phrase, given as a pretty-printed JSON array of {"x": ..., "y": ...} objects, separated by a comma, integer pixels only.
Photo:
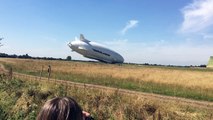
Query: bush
[
  {"x": 31, "y": 92},
  {"x": 44, "y": 95}
]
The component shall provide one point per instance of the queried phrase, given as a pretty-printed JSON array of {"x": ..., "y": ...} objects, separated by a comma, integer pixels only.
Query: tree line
[
  {"x": 69, "y": 58},
  {"x": 26, "y": 56}
]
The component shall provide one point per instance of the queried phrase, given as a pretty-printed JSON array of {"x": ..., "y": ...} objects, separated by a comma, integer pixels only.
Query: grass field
[
  {"x": 193, "y": 83},
  {"x": 23, "y": 99}
]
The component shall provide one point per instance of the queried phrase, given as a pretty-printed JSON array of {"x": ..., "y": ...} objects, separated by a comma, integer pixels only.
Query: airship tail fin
[{"x": 83, "y": 39}]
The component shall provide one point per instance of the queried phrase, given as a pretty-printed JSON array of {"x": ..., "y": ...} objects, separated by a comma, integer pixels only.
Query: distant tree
[
  {"x": 24, "y": 56},
  {"x": 146, "y": 63},
  {"x": 202, "y": 66},
  {"x": 69, "y": 58}
]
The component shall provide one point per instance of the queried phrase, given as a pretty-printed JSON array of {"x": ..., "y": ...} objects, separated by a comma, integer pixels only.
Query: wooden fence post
[{"x": 49, "y": 71}]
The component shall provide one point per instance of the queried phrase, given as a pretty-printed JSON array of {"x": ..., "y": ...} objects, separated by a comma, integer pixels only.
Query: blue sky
[{"x": 178, "y": 32}]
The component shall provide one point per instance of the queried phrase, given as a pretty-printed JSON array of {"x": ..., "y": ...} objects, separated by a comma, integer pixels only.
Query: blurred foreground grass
[{"x": 23, "y": 100}]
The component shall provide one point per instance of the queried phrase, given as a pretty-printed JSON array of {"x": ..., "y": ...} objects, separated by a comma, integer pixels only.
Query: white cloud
[
  {"x": 130, "y": 24},
  {"x": 198, "y": 16}
]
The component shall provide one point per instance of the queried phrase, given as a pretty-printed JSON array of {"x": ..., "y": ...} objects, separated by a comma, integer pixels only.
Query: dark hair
[{"x": 61, "y": 108}]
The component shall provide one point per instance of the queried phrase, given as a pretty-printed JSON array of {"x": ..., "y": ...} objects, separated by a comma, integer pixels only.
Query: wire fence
[{"x": 62, "y": 82}]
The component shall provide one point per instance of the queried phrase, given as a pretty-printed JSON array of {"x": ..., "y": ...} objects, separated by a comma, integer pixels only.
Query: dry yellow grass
[{"x": 185, "y": 78}]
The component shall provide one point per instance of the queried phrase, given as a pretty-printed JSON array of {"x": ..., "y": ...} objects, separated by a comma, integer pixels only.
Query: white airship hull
[{"x": 95, "y": 51}]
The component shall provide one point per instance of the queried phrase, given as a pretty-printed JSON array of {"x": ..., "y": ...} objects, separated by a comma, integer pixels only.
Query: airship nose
[
  {"x": 69, "y": 44},
  {"x": 73, "y": 45}
]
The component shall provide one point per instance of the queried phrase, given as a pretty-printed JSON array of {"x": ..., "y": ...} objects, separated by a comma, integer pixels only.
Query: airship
[{"x": 95, "y": 51}]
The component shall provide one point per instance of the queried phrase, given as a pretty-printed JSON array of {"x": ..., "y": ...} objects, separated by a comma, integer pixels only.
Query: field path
[{"x": 162, "y": 98}]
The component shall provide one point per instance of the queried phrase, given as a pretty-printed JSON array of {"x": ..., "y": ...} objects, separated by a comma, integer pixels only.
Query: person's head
[{"x": 61, "y": 108}]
